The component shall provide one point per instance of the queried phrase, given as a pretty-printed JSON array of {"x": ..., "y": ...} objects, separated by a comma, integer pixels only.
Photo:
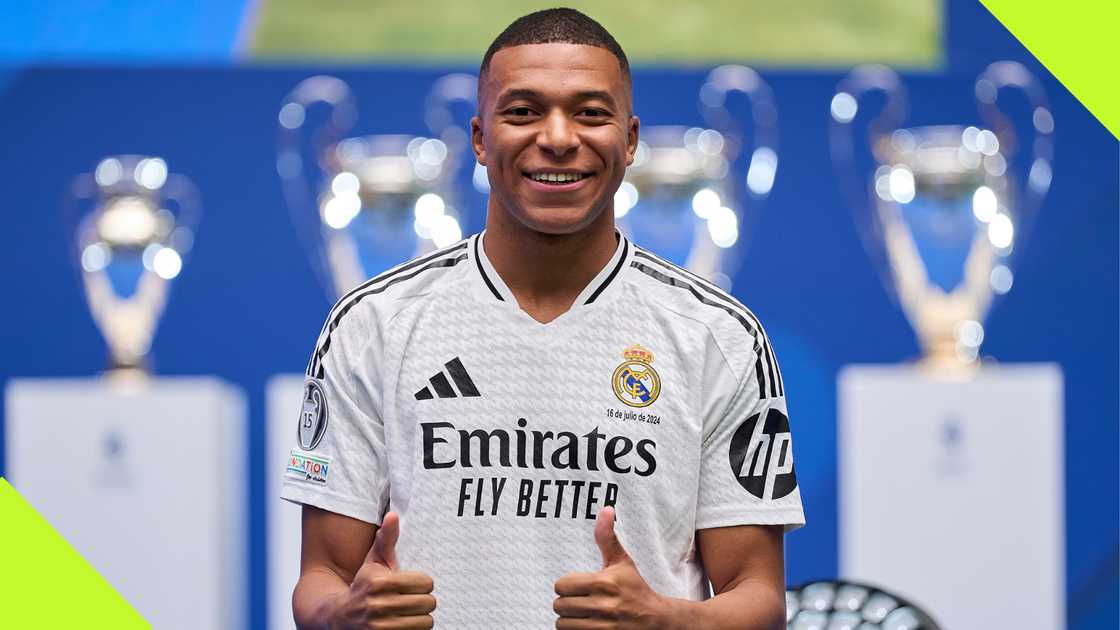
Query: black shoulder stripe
[
  {"x": 681, "y": 284},
  {"x": 614, "y": 272},
  {"x": 759, "y": 371},
  {"x": 768, "y": 350},
  {"x": 317, "y": 360},
  {"x": 701, "y": 282},
  {"x": 342, "y": 301},
  {"x": 482, "y": 272},
  {"x": 769, "y": 377}
]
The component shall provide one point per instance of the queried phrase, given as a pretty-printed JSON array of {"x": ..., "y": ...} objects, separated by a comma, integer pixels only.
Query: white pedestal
[
  {"x": 147, "y": 483},
  {"x": 951, "y": 491},
  {"x": 284, "y": 394}
]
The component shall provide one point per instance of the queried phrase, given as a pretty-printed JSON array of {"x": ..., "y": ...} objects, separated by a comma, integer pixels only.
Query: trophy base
[
  {"x": 128, "y": 376},
  {"x": 139, "y": 476},
  {"x": 948, "y": 367},
  {"x": 951, "y": 491},
  {"x": 284, "y": 396}
]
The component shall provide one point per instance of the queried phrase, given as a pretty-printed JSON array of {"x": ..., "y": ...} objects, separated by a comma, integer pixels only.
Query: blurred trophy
[
  {"x": 131, "y": 237},
  {"x": 681, "y": 198},
  {"x": 367, "y": 203},
  {"x": 946, "y": 206}
]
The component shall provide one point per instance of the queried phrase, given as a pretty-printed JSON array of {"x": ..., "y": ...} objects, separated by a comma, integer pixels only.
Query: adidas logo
[{"x": 442, "y": 386}]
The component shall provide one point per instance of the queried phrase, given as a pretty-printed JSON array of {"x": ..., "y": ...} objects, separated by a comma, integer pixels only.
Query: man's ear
[
  {"x": 632, "y": 139},
  {"x": 476, "y": 140}
]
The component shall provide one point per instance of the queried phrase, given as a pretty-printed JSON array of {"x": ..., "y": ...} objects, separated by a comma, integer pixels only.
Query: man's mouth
[{"x": 557, "y": 178}]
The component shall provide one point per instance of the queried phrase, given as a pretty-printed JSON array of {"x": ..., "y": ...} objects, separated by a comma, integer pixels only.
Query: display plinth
[
  {"x": 146, "y": 480},
  {"x": 951, "y": 491},
  {"x": 283, "y": 398}
]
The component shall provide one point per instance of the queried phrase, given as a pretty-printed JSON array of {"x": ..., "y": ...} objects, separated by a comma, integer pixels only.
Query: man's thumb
[
  {"x": 609, "y": 545},
  {"x": 384, "y": 548}
]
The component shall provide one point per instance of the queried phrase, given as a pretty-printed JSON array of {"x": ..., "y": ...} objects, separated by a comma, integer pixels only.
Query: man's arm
[
  {"x": 349, "y": 576},
  {"x": 746, "y": 566},
  {"x": 333, "y": 549}
]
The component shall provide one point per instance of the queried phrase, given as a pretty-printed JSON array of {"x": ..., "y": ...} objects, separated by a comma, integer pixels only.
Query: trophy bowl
[
  {"x": 679, "y": 197},
  {"x": 944, "y": 212},
  {"x": 129, "y": 244},
  {"x": 378, "y": 200}
]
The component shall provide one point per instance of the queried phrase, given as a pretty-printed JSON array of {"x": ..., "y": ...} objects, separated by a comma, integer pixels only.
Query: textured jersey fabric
[{"x": 497, "y": 438}]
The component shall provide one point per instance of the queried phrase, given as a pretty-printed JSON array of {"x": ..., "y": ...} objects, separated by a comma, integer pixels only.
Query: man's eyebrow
[
  {"x": 533, "y": 95},
  {"x": 596, "y": 95}
]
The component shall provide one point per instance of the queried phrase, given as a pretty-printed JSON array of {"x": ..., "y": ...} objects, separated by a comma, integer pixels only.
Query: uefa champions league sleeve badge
[{"x": 312, "y": 415}]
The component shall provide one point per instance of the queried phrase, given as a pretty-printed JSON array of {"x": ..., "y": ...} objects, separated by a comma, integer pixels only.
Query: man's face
[{"x": 555, "y": 132}]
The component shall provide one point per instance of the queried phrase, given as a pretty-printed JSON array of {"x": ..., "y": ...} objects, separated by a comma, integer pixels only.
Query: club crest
[
  {"x": 312, "y": 415},
  {"x": 635, "y": 382}
]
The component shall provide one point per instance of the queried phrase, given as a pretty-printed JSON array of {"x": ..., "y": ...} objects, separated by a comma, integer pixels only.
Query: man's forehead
[
  {"x": 540, "y": 67},
  {"x": 554, "y": 55}
]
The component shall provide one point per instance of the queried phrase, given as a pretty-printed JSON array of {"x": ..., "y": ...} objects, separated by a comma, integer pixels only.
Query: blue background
[{"x": 247, "y": 305}]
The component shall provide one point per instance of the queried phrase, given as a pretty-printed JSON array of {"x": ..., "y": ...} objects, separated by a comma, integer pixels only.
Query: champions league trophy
[
  {"x": 679, "y": 196},
  {"x": 943, "y": 210},
  {"x": 130, "y": 247},
  {"x": 945, "y": 207},
  {"x": 369, "y": 202},
  {"x": 362, "y": 204},
  {"x": 129, "y": 466}
]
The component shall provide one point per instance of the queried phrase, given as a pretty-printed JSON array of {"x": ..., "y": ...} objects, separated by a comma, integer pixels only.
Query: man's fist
[
  {"x": 381, "y": 595},
  {"x": 614, "y": 597}
]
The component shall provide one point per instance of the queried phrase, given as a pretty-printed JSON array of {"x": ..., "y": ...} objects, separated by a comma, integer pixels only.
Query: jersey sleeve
[
  {"x": 338, "y": 462},
  {"x": 747, "y": 476}
]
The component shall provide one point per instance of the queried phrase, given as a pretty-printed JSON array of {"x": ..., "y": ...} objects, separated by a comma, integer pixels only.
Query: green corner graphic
[
  {"x": 45, "y": 583},
  {"x": 1077, "y": 43}
]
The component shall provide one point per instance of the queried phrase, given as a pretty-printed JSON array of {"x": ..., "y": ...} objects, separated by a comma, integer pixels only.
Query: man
[{"x": 469, "y": 414}]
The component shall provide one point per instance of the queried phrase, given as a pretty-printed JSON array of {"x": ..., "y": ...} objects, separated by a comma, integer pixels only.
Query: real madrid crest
[
  {"x": 312, "y": 415},
  {"x": 635, "y": 382}
]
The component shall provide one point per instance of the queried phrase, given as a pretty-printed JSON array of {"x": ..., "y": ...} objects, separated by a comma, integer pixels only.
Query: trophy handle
[
  {"x": 82, "y": 192},
  {"x": 860, "y": 82},
  {"x": 990, "y": 83},
  {"x": 845, "y": 105},
  {"x": 447, "y": 91},
  {"x": 336, "y": 96},
  {"x": 764, "y": 137},
  {"x": 181, "y": 190}
]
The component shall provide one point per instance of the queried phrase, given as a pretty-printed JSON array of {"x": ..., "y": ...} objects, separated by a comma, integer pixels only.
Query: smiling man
[{"x": 544, "y": 425}]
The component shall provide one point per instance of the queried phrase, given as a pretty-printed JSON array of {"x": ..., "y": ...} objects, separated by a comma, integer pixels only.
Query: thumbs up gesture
[
  {"x": 615, "y": 596},
  {"x": 383, "y": 596}
]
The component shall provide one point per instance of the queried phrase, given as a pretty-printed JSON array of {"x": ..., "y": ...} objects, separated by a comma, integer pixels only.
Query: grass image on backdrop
[{"x": 807, "y": 32}]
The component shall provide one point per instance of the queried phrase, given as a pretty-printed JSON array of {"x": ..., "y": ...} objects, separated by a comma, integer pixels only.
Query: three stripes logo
[{"x": 442, "y": 386}]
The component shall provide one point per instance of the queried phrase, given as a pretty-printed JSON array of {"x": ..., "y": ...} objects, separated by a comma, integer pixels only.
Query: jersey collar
[{"x": 593, "y": 292}]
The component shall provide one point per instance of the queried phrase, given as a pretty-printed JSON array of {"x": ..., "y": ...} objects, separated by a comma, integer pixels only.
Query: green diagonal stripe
[
  {"x": 44, "y": 583},
  {"x": 1077, "y": 43}
]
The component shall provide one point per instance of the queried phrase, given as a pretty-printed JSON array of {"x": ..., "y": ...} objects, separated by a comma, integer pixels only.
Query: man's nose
[{"x": 558, "y": 135}]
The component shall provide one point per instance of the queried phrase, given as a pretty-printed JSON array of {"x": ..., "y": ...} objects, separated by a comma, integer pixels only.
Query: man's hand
[
  {"x": 381, "y": 595},
  {"x": 615, "y": 597}
]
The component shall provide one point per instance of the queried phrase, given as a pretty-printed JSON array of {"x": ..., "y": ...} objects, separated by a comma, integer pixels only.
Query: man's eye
[
  {"x": 596, "y": 113},
  {"x": 519, "y": 111}
]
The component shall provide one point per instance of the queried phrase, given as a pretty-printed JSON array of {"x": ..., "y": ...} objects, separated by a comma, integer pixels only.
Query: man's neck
[{"x": 546, "y": 272}]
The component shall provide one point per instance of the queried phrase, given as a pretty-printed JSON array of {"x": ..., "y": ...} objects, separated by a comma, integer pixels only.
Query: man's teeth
[{"x": 556, "y": 178}]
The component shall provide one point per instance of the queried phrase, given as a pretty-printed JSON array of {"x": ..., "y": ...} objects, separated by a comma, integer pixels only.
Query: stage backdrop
[{"x": 247, "y": 305}]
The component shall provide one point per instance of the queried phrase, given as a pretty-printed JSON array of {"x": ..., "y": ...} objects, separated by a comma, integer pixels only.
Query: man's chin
[{"x": 559, "y": 221}]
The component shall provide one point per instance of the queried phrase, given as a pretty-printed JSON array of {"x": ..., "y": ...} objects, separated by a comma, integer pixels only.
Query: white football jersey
[{"x": 498, "y": 438}]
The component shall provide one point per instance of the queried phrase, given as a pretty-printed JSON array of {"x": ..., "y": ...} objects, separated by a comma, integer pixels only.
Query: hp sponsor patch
[
  {"x": 307, "y": 467},
  {"x": 313, "y": 415},
  {"x": 761, "y": 456}
]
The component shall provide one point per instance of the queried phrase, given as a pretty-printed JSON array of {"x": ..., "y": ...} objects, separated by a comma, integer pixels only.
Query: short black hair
[{"x": 556, "y": 26}]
